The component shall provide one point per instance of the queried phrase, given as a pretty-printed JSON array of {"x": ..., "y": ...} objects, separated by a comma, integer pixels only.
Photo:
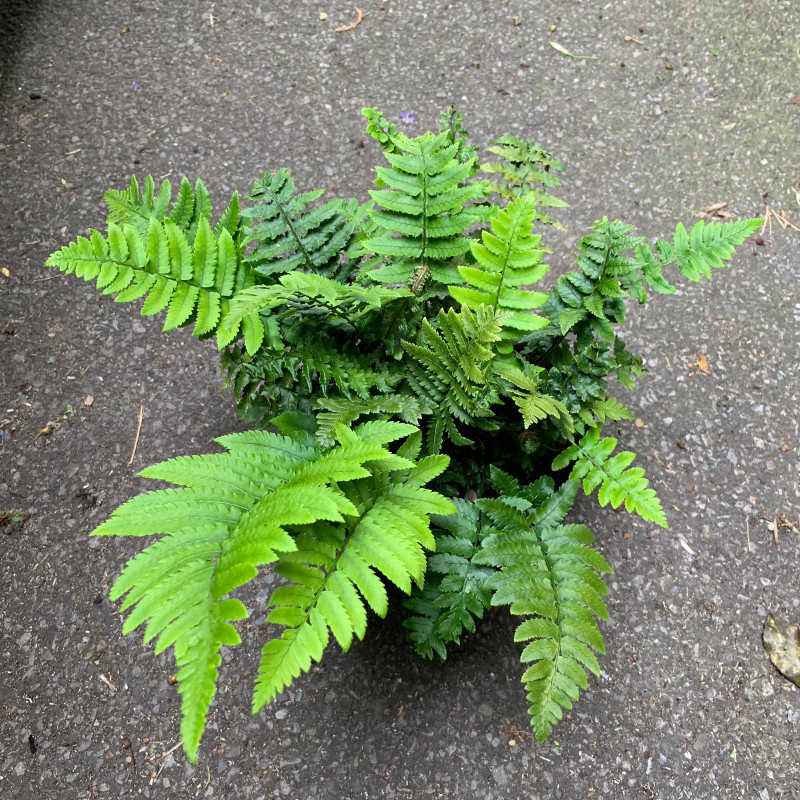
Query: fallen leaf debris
[
  {"x": 701, "y": 364},
  {"x": 782, "y": 642}
]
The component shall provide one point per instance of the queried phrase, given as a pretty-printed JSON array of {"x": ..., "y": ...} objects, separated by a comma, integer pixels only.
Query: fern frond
[
  {"x": 547, "y": 572},
  {"x": 178, "y": 264},
  {"x": 128, "y": 206},
  {"x": 282, "y": 377},
  {"x": 449, "y": 370},
  {"x": 292, "y": 234},
  {"x": 455, "y": 592},
  {"x": 333, "y": 411},
  {"x": 707, "y": 246},
  {"x": 335, "y": 566},
  {"x": 594, "y": 296},
  {"x": 421, "y": 215},
  {"x": 508, "y": 258},
  {"x": 307, "y": 291},
  {"x": 526, "y": 169},
  {"x": 589, "y": 300},
  {"x": 238, "y": 511},
  {"x": 452, "y": 123},
  {"x": 619, "y": 482},
  {"x": 380, "y": 129},
  {"x": 533, "y": 404},
  {"x": 599, "y": 411}
]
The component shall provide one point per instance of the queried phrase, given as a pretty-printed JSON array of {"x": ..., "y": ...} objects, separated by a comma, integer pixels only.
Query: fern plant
[{"x": 418, "y": 391}]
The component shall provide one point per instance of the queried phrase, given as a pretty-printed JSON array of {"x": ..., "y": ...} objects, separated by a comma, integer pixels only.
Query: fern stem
[
  {"x": 336, "y": 312},
  {"x": 505, "y": 263},
  {"x": 401, "y": 306},
  {"x": 550, "y": 349},
  {"x": 423, "y": 254},
  {"x": 550, "y": 572},
  {"x": 289, "y": 225}
]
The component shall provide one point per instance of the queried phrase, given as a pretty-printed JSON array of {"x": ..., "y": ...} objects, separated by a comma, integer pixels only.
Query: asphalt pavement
[{"x": 686, "y": 106}]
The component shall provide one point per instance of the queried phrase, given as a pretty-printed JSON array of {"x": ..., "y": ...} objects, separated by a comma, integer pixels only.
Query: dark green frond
[
  {"x": 290, "y": 233},
  {"x": 282, "y": 378},
  {"x": 455, "y": 591},
  {"x": 547, "y": 572},
  {"x": 449, "y": 370},
  {"x": 420, "y": 215}
]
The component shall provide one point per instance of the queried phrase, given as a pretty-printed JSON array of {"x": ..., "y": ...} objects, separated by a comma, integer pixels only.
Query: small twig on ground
[
  {"x": 154, "y": 775},
  {"x": 352, "y": 25},
  {"x": 791, "y": 524},
  {"x": 172, "y": 749},
  {"x": 138, "y": 431},
  {"x": 779, "y": 217},
  {"x": 767, "y": 222},
  {"x": 107, "y": 682},
  {"x": 748, "y": 534}
]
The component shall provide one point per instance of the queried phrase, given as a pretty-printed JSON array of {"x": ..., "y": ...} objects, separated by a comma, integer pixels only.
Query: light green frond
[
  {"x": 707, "y": 246},
  {"x": 336, "y": 567},
  {"x": 507, "y": 258},
  {"x": 128, "y": 205},
  {"x": 239, "y": 510},
  {"x": 335, "y": 411},
  {"x": 619, "y": 482},
  {"x": 525, "y": 169},
  {"x": 175, "y": 263}
]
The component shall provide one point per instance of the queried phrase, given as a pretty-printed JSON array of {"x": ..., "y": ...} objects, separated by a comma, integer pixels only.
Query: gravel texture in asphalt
[{"x": 688, "y": 104}]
